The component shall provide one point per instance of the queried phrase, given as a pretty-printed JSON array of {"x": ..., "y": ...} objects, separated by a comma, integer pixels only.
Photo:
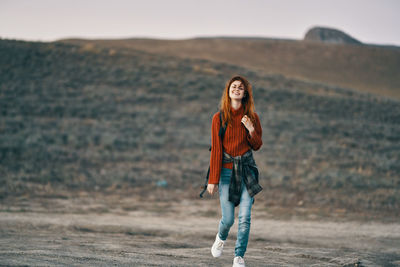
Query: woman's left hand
[{"x": 247, "y": 123}]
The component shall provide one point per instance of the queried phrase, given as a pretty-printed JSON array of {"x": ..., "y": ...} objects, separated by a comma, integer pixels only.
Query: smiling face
[{"x": 236, "y": 90}]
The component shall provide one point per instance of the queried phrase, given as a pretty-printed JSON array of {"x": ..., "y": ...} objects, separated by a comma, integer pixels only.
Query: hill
[
  {"x": 94, "y": 118},
  {"x": 328, "y": 35},
  {"x": 367, "y": 68}
]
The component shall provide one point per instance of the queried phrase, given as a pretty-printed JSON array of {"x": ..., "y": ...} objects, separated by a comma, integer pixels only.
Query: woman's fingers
[
  {"x": 247, "y": 122},
  {"x": 211, "y": 188}
]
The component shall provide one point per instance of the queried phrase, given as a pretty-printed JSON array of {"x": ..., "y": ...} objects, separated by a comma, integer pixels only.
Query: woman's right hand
[{"x": 212, "y": 188}]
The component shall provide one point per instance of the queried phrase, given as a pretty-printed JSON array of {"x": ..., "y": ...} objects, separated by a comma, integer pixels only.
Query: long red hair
[{"x": 247, "y": 100}]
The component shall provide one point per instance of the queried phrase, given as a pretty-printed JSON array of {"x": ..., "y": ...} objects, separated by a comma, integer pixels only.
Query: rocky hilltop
[{"x": 329, "y": 35}]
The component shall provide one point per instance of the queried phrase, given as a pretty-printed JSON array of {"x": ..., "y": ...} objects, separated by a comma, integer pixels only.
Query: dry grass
[{"x": 367, "y": 68}]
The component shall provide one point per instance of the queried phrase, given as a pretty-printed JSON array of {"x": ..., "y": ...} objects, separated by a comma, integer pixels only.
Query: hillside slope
[
  {"x": 94, "y": 118},
  {"x": 367, "y": 68}
]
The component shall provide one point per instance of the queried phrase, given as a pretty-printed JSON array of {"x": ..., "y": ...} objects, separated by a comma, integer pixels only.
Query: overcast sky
[{"x": 370, "y": 21}]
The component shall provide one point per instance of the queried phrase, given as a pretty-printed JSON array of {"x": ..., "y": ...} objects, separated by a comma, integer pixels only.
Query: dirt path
[{"x": 124, "y": 232}]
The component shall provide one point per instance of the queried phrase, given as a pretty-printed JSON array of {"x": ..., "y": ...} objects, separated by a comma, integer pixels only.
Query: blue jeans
[{"x": 228, "y": 213}]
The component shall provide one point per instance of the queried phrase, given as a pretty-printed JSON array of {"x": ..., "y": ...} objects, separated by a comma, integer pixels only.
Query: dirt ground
[{"x": 95, "y": 230}]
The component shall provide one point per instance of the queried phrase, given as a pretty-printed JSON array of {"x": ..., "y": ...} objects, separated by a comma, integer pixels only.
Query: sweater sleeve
[
  {"x": 256, "y": 140},
  {"x": 216, "y": 151}
]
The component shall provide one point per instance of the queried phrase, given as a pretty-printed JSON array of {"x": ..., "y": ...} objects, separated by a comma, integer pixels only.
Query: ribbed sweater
[{"x": 236, "y": 141}]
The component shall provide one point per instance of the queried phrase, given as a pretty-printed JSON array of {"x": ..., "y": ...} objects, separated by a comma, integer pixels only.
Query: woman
[{"x": 232, "y": 168}]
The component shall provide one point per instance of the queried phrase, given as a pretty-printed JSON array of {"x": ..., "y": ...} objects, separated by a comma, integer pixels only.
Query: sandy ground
[{"x": 124, "y": 231}]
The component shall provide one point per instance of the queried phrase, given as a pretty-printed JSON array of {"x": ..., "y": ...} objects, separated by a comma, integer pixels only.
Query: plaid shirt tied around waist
[{"x": 244, "y": 167}]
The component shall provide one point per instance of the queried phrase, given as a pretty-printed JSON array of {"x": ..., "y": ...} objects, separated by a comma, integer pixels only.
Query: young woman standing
[{"x": 233, "y": 171}]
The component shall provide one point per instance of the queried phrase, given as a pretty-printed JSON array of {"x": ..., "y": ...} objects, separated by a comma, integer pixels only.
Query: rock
[
  {"x": 329, "y": 35},
  {"x": 162, "y": 183}
]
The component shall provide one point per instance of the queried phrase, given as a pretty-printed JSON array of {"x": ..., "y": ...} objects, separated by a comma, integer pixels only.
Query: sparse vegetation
[{"x": 87, "y": 117}]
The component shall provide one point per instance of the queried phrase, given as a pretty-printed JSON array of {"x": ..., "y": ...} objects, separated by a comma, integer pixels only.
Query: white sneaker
[
  {"x": 217, "y": 247},
  {"x": 238, "y": 262}
]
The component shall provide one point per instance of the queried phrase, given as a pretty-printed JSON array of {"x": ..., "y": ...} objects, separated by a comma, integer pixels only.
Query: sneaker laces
[{"x": 240, "y": 260}]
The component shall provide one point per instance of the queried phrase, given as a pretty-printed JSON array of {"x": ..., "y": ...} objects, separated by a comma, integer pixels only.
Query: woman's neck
[{"x": 236, "y": 104}]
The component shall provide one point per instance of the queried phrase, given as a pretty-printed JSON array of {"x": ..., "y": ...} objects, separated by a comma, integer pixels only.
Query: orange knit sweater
[{"x": 236, "y": 142}]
